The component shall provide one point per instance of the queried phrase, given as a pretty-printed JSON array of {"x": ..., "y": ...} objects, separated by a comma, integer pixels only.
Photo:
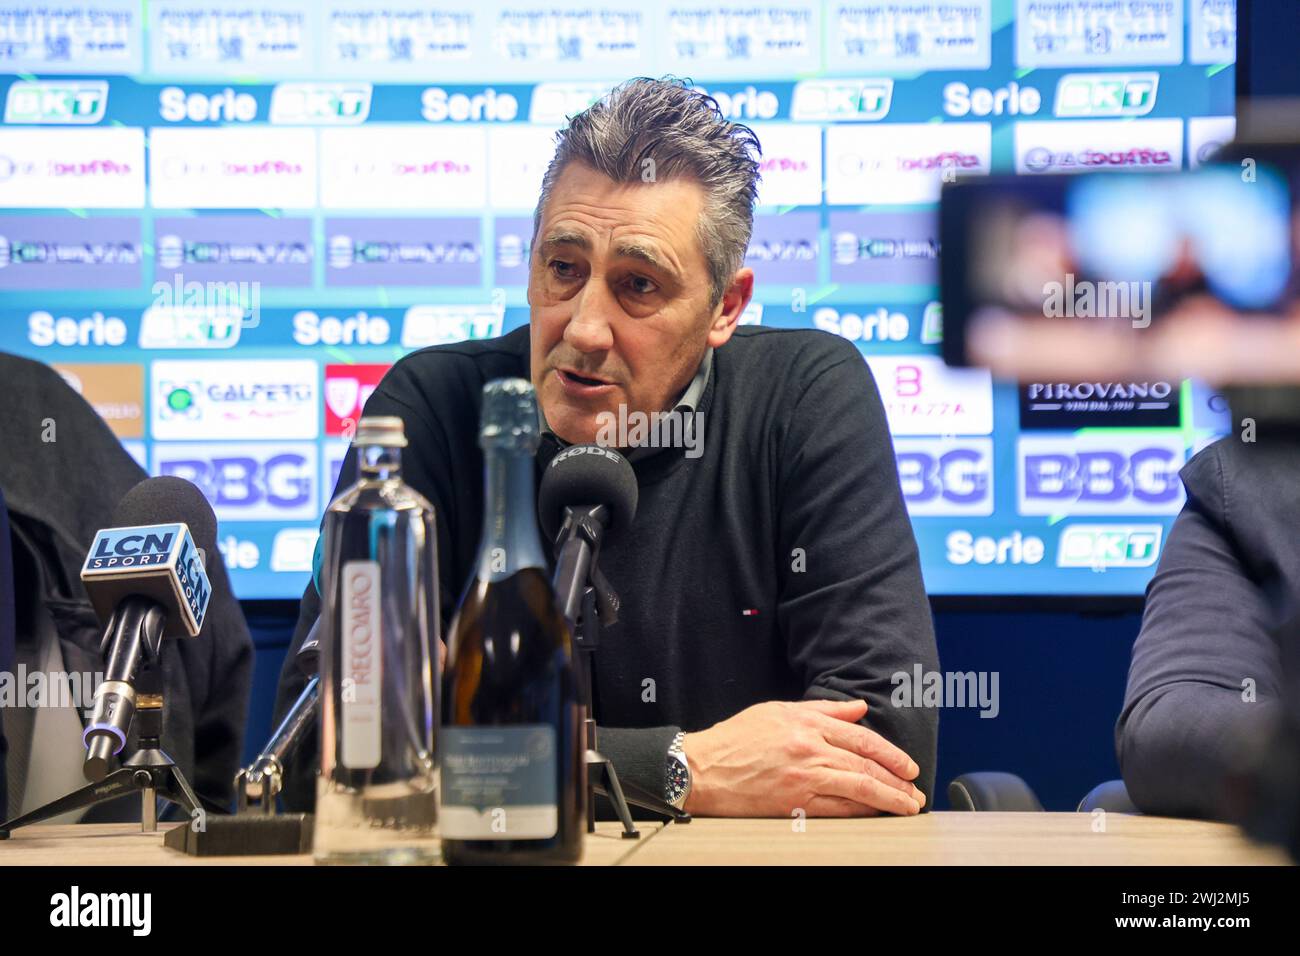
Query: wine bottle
[
  {"x": 512, "y": 745},
  {"x": 376, "y": 796}
]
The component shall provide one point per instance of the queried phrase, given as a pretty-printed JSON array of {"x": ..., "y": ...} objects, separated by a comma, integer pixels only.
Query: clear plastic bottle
[{"x": 377, "y": 796}]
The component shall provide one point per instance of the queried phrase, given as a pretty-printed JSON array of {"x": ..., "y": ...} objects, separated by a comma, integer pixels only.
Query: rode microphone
[
  {"x": 586, "y": 491},
  {"x": 145, "y": 578}
]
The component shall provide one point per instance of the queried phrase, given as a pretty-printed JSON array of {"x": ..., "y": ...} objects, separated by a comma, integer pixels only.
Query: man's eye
[
  {"x": 562, "y": 269},
  {"x": 642, "y": 286}
]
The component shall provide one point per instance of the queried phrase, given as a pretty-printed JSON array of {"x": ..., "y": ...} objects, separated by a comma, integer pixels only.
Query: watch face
[{"x": 678, "y": 778}]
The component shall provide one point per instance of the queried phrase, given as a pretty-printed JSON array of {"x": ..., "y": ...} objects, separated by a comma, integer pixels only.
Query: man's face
[{"x": 619, "y": 294}]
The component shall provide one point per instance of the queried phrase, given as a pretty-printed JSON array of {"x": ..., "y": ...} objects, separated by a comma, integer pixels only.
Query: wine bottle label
[
  {"x": 362, "y": 667},
  {"x": 498, "y": 783}
]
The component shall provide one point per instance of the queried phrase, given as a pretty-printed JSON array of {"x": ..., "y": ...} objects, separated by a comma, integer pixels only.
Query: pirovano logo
[
  {"x": 1106, "y": 474},
  {"x": 259, "y": 398},
  {"x": 1065, "y": 405}
]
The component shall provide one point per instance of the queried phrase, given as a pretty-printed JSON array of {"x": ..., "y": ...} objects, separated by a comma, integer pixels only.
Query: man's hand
[{"x": 776, "y": 757}]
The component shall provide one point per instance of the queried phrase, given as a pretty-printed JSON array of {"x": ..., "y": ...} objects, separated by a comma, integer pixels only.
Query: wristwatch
[{"x": 677, "y": 785}]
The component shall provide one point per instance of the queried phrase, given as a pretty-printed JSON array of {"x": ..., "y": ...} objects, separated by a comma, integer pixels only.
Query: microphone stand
[
  {"x": 149, "y": 770},
  {"x": 587, "y": 603}
]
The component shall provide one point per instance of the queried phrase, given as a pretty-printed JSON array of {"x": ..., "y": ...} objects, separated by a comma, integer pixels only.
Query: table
[{"x": 1069, "y": 839}]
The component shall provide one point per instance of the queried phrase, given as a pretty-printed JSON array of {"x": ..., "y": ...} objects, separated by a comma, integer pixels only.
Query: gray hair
[{"x": 674, "y": 132}]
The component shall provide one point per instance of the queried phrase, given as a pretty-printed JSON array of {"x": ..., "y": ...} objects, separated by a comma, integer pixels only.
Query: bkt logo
[
  {"x": 946, "y": 477},
  {"x": 320, "y": 104},
  {"x": 74, "y": 102},
  {"x": 1106, "y": 94},
  {"x": 1114, "y": 474},
  {"x": 1101, "y": 546},
  {"x": 247, "y": 482},
  {"x": 824, "y": 101}
]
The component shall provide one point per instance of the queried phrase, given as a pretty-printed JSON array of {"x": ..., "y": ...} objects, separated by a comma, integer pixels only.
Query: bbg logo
[
  {"x": 946, "y": 477},
  {"x": 1101, "y": 546},
  {"x": 70, "y": 102},
  {"x": 1091, "y": 475},
  {"x": 1106, "y": 94},
  {"x": 247, "y": 482}
]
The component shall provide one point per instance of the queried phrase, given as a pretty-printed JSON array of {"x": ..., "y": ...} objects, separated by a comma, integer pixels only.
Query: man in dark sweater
[{"x": 770, "y": 584}]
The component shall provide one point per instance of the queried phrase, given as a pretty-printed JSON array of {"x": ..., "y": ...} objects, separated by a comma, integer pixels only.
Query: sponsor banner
[
  {"x": 783, "y": 249},
  {"x": 519, "y": 156},
  {"x": 320, "y": 104},
  {"x": 347, "y": 389},
  {"x": 115, "y": 391},
  {"x": 898, "y": 247},
  {"x": 79, "y": 329},
  {"x": 1212, "y": 32},
  {"x": 404, "y": 166},
  {"x": 402, "y": 40},
  {"x": 251, "y": 399},
  {"x": 267, "y": 249},
  {"x": 512, "y": 245},
  {"x": 196, "y": 38},
  {"x": 1100, "y": 35},
  {"x": 904, "y": 323},
  {"x": 946, "y": 476},
  {"x": 1069, "y": 146},
  {"x": 96, "y": 168},
  {"x": 740, "y": 40},
  {"x": 994, "y": 545},
  {"x": 232, "y": 168},
  {"x": 65, "y": 252},
  {"x": 292, "y": 550},
  {"x": 1068, "y": 405},
  {"x": 1106, "y": 95},
  {"x": 1108, "y": 473},
  {"x": 842, "y": 100},
  {"x": 100, "y": 36},
  {"x": 923, "y": 396},
  {"x": 247, "y": 481},
  {"x": 1103, "y": 546},
  {"x": 313, "y": 328},
  {"x": 403, "y": 252},
  {"x": 902, "y": 162},
  {"x": 1206, "y": 135},
  {"x": 334, "y": 451},
  {"x": 426, "y": 325},
  {"x": 1210, "y": 411},
  {"x": 909, "y": 35},
  {"x": 191, "y": 326},
  {"x": 62, "y": 102},
  {"x": 567, "y": 40},
  {"x": 791, "y": 165}
]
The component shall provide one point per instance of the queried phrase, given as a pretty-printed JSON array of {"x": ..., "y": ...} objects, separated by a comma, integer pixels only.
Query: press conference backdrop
[{"x": 224, "y": 220}]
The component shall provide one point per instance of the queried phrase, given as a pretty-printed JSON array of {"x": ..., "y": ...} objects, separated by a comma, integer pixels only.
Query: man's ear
[{"x": 735, "y": 300}]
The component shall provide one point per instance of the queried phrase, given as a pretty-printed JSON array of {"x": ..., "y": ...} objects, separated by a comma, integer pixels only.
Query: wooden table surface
[{"x": 1069, "y": 839}]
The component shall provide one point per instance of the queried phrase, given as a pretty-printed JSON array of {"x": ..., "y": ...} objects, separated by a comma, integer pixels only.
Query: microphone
[
  {"x": 145, "y": 578},
  {"x": 586, "y": 491}
]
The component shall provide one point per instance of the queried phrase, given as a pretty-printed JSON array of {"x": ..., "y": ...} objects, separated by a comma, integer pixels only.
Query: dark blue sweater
[{"x": 720, "y": 607}]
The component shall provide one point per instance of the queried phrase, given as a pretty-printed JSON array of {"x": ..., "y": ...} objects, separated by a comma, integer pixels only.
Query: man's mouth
[{"x": 580, "y": 385}]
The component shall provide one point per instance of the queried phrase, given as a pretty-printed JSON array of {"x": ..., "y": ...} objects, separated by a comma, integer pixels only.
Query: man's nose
[{"x": 589, "y": 329}]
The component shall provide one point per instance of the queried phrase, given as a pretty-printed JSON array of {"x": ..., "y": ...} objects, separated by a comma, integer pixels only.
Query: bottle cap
[
  {"x": 387, "y": 431},
  {"x": 509, "y": 419}
]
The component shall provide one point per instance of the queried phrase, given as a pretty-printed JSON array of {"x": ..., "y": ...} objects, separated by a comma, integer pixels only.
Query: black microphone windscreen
[
  {"x": 165, "y": 500},
  {"x": 587, "y": 475}
]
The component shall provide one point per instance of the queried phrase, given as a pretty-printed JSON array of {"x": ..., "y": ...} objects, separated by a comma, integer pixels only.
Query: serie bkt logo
[
  {"x": 1101, "y": 546},
  {"x": 1114, "y": 474}
]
